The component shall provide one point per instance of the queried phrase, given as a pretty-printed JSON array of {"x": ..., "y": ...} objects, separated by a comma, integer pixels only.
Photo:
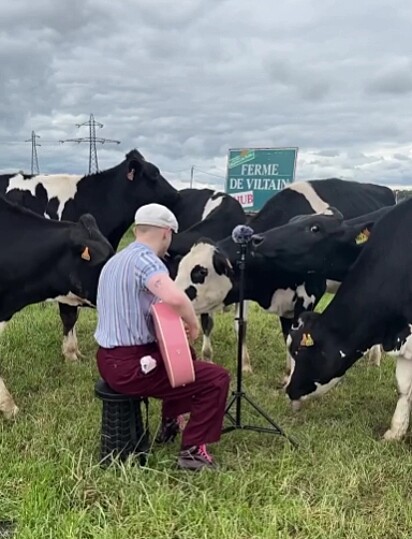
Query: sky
[{"x": 184, "y": 81}]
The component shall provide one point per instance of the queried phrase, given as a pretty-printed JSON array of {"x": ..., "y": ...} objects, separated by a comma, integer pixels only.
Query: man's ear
[{"x": 135, "y": 169}]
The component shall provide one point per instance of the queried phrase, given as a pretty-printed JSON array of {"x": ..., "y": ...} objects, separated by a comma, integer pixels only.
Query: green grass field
[{"x": 342, "y": 482}]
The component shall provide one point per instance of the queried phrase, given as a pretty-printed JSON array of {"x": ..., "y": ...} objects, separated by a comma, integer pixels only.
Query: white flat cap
[{"x": 156, "y": 215}]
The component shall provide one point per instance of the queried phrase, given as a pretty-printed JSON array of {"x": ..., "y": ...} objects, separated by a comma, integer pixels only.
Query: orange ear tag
[
  {"x": 86, "y": 254},
  {"x": 362, "y": 236},
  {"x": 306, "y": 340}
]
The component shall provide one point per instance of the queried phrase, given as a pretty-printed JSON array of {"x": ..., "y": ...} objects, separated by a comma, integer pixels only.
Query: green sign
[{"x": 256, "y": 174}]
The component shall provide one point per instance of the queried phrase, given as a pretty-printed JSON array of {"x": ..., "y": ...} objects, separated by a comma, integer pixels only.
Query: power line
[
  {"x": 34, "y": 158},
  {"x": 92, "y": 140},
  {"x": 209, "y": 173}
]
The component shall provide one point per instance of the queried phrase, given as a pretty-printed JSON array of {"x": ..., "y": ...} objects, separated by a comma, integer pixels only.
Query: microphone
[{"x": 242, "y": 234}]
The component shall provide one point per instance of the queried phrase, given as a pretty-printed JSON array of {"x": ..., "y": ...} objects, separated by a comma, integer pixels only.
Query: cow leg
[
  {"x": 68, "y": 315},
  {"x": 286, "y": 324},
  {"x": 246, "y": 365},
  {"x": 400, "y": 419},
  {"x": 7, "y": 404},
  {"x": 374, "y": 355},
  {"x": 206, "y": 321}
]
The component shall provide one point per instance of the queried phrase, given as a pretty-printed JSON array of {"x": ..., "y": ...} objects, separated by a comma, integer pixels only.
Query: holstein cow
[
  {"x": 43, "y": 259},
  {"x": 111, "y": 196},
  {"x": 195, "y": 205},
  {"x": 217, "y": 222},
  {"x": 373, "y": 305},
  {"x": 209, "y": 274},
  {"x": 325, "y": 244},
  {"x": 322, "y": 244}
]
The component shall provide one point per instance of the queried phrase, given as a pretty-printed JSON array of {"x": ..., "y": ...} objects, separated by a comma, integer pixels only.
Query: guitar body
[{"x": 173, "y": 345}]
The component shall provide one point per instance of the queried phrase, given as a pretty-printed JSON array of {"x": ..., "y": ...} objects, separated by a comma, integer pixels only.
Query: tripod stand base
[{"x": 236, "y": 424}]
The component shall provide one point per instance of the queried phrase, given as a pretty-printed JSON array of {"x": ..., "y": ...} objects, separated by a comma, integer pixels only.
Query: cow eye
[{"x": 314, "y": 228}]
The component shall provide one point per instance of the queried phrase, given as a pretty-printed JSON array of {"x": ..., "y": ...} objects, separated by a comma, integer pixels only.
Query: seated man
[{"x": 130, "y": 282}]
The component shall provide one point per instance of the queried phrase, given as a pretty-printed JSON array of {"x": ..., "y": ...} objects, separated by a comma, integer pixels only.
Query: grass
[{"x": 342, "y": 482}]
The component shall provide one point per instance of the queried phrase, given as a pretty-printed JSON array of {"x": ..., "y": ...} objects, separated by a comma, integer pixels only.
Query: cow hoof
[
  {"x": 72, "y": 357},
  {"x": 392, "y": 436},
  {"x": 10, "y": 412},
  {"x": 207, "y": 355},
  {"x": 247, "y": 369}
]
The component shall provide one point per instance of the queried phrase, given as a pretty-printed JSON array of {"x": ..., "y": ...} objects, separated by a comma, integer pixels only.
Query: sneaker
[
  {"x": 168, "y": 432},
  {"x": 195, "y": 458}
]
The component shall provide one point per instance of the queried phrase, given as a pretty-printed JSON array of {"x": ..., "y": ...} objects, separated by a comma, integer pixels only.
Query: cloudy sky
[{"x": 185, "y": 80}]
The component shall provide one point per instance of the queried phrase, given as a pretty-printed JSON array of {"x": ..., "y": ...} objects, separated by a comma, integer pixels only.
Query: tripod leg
[{"x": 270, "y": 420}]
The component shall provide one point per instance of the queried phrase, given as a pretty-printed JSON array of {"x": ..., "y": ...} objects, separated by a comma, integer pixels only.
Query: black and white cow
[
  {"x": 111, "y": 196},
  {"x": 321, "y": 244},
  {"x": 325, "y": 244},
  {"x": 195, "y": 205},
  {"x": 41, "y": 259},
  {"x": 209, "y": 274},
  {"x": 373, "y": 305},
  {"x": 217, "y": 221}
]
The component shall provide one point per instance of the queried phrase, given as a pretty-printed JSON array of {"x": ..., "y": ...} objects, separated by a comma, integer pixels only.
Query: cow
[
  {"x": 195, "y": 205},
  {"x": 373, "y": 305},
  {"x": 209, "y": 275},
  {"x": 112, "y": 196},
  {"x": 217, "y": 221},
  {"x": 323, "y": 244},
  {"x": 41, "y": 259}
]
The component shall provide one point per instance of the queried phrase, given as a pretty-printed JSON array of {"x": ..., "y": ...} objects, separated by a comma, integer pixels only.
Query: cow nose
[{"x": 257, "y": 240}]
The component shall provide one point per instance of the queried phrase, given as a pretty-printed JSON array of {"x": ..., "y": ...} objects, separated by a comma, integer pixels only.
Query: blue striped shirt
[{"x": 123, "y": 301}]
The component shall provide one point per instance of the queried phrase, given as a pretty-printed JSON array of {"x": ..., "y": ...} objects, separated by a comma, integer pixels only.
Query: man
[{"x": 128, "y": 356}]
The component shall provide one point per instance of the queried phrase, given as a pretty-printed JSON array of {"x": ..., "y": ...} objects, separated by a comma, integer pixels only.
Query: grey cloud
[
  {"x": 395, "y": 78},
  {"x": 184, "y": 82},
  {"x": 401, "y": 157}
]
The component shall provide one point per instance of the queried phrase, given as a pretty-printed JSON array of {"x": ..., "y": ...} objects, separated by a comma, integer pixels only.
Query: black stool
[{"x": 122, "y": 429}]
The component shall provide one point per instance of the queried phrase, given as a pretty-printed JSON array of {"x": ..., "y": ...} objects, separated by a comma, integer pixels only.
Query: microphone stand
[{"x": 239, "y": 394}]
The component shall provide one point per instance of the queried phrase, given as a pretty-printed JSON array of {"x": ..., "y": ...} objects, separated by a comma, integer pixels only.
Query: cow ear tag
[
  {"x": 86, "y": 254},
  {"x": 362, "y": 236},
  {"x": 307, "y": 340},
  {"x": 130, "y": 175}
]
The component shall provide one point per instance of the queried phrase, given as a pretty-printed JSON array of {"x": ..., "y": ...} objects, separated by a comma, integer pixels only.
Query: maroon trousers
[{"x": 205, "y": 398}]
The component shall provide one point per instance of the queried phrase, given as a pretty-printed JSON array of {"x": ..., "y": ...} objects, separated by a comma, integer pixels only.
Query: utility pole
[
  {"x": 34, "y": 157},
  {"x": 92, "y": 140},
  {"x": 191, "y": 175}
]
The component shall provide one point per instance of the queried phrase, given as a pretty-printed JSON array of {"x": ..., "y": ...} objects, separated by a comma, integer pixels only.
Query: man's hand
[{"x": 192, "y": 331}]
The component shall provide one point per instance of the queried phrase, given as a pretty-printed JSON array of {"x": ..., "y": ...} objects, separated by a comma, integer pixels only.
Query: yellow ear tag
[
  {"x": 362, "y": 236},
  {"x": 307, "y": 340},
  {"x": 86, "y": 254}
]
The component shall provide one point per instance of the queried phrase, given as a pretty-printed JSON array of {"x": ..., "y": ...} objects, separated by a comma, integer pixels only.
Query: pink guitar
[{"x": 173, "y": 344}]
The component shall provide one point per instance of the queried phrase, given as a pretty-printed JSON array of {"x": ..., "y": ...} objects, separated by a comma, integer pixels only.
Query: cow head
[
  {"x": 301, "y": 244},
  {"x": 90, "y": 250},
  {"x": 206, "y": 275},
  {"x": 145, "y": 183},
  {"x": 308, "y": 241},
  {"x": 313, "y": 373}
]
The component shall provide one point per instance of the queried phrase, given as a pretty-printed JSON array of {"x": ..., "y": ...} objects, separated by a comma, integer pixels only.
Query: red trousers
[{"x": 205, "y": 398}]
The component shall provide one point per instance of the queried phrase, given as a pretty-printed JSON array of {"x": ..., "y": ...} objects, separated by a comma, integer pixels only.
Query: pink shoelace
[{"x": 203, "y": 452}]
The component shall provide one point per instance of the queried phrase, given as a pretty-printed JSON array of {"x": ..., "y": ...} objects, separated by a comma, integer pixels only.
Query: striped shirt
[{"x": 123, "y": 301}]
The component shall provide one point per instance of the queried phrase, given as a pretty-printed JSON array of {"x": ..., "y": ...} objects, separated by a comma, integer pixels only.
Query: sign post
[{"x": 256, "y": 174}]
